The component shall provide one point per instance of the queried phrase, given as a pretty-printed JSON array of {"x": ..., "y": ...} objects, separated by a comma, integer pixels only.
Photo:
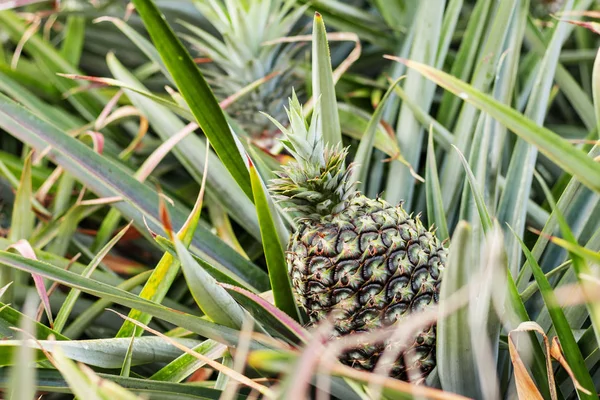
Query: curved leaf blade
[
  {"x": 195, "y": 91},
  {"x": 569, "y": 158}
]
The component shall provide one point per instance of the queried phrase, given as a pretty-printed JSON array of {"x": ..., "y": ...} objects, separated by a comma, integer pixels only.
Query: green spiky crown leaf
[{"x": 317, "y": 182}]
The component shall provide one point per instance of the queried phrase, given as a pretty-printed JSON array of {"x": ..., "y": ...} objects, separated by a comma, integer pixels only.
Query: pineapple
[
  {"x": 362, "y": 261},
  {"x": 542, "y": 8},
  {"x": 238, "y": 58}
]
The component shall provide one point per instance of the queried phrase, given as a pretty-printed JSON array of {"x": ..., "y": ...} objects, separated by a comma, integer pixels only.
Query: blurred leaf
[
  {"x": 86, "y": 384},
  {"x": 563, "y": 330},
  {"x": 454, "y": 352},
  {"x": 88, "y": 103},
  {"x": 21, "y": 224},
  {"x": 23, "y": 372},
  {"x": 580, "y": 266},
  {"x": 195, "y": 91},
  {"x": 166, "y": 125},
  {"x": 409, "y": 132},
  {"x": 72, "y": 44},
  {"x": 465, "y": 59},
  {"x": 524, "y": 155},
  {"x": 596, "y": 90},
  {"x": 486, "y": 221}
]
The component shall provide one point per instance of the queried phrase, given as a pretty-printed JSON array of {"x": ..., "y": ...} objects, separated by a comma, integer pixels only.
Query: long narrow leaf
[
  {"x": 275, "y": 257},
  {"x": 195, "y": 91},
  {"x": 553, "y": 146}
]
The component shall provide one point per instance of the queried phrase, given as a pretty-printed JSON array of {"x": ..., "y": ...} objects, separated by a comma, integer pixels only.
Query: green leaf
[
  {"x": 455, "y": 358},
  {"x": 435, "y": 203},
  {"x": 186, "y": 364},
  {"x": 69, "y": 303},
  {"x": 195, "y": 324},
  {"x": 484, "y": 216},
  {"x": 190, "y": 150},
  {"x": 108, "y": 179},
  {"x": 365, "y": 148},
  {"x": 524, "y": 155},
  {"x": 323, "y": 86},
  {"x": 72, "y": 44},
  {"x": 273, "y": 248},
  {"x": 102, "y": 353},
  {"x": 195, "y": 91},
  {"x": 23, "y": 373},
  {"x": 84, "y": 382},
  {"x": 596, "y": 90},
  {"x": 409, "y": 132},
  {"x": 21, "y": 224},
  {"x": 354, "y": 121},
  {"x": 580, "y": 266},
  {"x": 275, "y": 321},
  {"x": 52, "y": 381},
  {"x": 212, "y": 299},
  {"x": 563, "y": 330},
  {"x": 571, "y": 159}
]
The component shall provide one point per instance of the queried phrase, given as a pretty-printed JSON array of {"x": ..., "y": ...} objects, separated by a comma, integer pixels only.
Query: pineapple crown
[{"x": 317, "y": 182}]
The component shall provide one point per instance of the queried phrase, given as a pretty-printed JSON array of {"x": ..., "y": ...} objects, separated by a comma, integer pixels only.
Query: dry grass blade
[
  {"x": 557, "y": 353},
  {"x": 525, "y": 385},
  {"x": 213, "y": 364},
  {"x": 23, "y": 247}
]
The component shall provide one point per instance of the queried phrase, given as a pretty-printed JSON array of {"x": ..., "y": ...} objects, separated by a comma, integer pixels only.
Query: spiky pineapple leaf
[
  {"x": 563, "y": 330},
  {"x": 435, "y": 204},
  {"x": 580, "y": 265},
  {"x": 323, "y": 85},
  {"x": 108, "y": 179},
  {"x": 195, "y": 91},
  {"x": 212, "y": 299},
  {"x": 186, "y": 364},
  {"x": 52, "y": 381},
  {"x": 596, "y": 90},
  {"x": 195, "y": 324},
  {"x": 365, "y": 148},
  {"x": 23, "y": 372},
  {"x": 273, "y": 247},
  {"x": 102, "y": 353},
  {"x": 560, "y": 151},
  {"x": 455, "y": 359},
  {"x": 67, "y": 306}
]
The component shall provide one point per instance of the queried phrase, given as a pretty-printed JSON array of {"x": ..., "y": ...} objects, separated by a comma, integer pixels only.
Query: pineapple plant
[
  {"x": 361, "y": 261},
  {"x": 203, "y": 289},
  {"x": 239, "y": 57}
]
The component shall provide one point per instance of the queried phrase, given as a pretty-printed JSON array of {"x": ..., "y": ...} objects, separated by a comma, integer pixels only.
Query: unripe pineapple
[{"x": 363, "y": 261}]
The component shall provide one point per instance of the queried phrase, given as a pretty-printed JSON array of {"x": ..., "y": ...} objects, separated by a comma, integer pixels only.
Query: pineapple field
[{"x": 299, "y": 199}]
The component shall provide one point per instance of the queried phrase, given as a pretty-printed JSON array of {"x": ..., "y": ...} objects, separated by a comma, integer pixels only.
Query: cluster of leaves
[{"x": 143, "y": 257}]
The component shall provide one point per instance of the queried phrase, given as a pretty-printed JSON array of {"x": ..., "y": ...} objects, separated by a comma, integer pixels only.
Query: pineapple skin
[{"x": 368, "y": 266}]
